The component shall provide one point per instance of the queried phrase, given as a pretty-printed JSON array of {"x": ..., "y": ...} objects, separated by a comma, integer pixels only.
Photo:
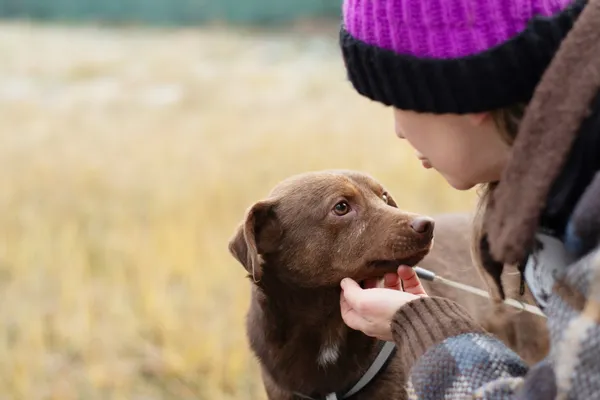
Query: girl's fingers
[
  {"x": 350, "y": 316},
  {"x": 392, "y": 281},
  {"x": 411, "y": 281},
  {"x": 351, "y": 293}
]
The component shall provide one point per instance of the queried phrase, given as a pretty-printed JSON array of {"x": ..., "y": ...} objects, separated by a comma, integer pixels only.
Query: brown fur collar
[{"x": 561, "y": 102}]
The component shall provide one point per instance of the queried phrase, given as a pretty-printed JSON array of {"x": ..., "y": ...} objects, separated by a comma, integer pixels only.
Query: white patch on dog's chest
[{"x": 329, "y": 354}]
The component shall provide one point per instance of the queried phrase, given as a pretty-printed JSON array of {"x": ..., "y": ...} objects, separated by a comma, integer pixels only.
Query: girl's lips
[{"x": 426, "y": 163}]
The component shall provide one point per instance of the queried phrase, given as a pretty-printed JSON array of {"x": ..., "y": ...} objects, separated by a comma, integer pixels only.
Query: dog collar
[{"x": 387, "y": 349}]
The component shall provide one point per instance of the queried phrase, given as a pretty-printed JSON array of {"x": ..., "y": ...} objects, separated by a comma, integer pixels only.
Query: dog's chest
[
  {"x": 329, "y": 354},
  {"x": 329, "y": 351}
]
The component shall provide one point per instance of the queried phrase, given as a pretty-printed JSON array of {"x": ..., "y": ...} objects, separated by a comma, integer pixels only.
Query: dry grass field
[{"x": 127, "y": 158}]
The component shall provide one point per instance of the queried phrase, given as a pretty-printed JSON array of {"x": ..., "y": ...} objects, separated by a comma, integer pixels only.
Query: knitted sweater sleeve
[{"x": 447, "y": 355}]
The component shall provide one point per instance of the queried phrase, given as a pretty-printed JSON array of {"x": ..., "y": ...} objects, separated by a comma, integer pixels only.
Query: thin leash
[{"x": 431, "y": 276}]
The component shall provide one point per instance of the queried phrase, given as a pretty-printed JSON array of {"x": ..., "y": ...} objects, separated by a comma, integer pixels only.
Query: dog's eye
[
  {"x": 385, "y": 198},
  {"x": 341, "y": 208}
]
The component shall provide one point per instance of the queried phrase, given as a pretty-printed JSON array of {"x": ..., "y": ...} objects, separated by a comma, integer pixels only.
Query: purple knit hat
[{"x": 452, "y": 56}]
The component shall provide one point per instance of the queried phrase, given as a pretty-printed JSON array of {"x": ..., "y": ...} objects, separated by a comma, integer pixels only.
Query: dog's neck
[{"x": 302, "y": 341}]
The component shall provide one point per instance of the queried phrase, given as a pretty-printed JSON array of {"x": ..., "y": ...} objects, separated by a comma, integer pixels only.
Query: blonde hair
[{"x": 507, "y": 120}]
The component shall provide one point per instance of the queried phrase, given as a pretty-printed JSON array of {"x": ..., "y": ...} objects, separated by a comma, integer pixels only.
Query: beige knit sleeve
[{"x": 425, "y": 322}]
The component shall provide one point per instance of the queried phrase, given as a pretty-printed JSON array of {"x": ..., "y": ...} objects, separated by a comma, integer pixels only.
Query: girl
[{"x": 506, "y": 95}]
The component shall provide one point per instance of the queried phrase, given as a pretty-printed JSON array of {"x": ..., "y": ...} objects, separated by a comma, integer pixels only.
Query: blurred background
[{"x": 133, "y": 137}]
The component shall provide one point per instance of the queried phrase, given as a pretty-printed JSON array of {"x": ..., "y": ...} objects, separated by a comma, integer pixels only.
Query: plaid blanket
[{"x": 448, "y": 356}]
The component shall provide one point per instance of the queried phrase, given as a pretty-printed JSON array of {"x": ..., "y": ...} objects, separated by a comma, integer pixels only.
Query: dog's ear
[{"x": 258, "y": 235}]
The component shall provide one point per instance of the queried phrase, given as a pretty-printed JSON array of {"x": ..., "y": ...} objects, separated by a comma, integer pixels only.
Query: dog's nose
[{"x": 422, "y": 225}]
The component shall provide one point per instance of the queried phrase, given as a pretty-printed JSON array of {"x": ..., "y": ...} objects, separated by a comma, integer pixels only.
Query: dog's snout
[{"x": 422, "y": 225}]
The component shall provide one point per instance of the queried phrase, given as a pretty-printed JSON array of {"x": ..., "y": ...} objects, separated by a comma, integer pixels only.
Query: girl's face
[{"x": 465, "y": 149}]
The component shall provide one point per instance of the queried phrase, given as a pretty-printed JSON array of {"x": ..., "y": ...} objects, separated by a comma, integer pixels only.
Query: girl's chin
[{"x": 460, "y": 185}]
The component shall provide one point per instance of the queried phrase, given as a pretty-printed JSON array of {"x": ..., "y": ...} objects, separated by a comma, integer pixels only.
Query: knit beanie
[{"x": 452, "y": 56}]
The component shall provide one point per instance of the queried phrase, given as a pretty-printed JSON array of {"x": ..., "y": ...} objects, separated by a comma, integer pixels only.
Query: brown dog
[{"x": 297, "y": 244}]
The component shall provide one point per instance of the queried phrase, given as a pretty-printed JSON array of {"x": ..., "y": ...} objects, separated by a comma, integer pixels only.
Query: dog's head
[{"x": 314, "y": 229}]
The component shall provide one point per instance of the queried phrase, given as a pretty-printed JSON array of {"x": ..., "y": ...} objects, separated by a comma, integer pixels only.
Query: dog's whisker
[{"x": 393, "y": 250}]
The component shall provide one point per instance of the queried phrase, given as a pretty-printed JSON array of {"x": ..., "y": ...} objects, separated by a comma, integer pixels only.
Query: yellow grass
[{"x": 127, "y": 158}]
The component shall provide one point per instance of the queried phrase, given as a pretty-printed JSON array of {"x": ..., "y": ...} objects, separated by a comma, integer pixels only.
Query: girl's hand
[{"x": 371, "y": 310}]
